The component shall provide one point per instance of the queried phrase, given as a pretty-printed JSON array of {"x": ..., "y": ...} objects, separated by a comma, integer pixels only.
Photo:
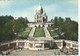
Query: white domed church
[{"x": 40, "y": 16}]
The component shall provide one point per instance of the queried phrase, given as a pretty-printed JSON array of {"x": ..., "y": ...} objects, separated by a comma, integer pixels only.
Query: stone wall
[
  {"x": 68, "y": 44},
  {"x": 57, "y": 44},
  {"x": 7, "y": 46}
]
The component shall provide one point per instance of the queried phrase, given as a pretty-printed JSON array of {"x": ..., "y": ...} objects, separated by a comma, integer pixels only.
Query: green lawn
[
  {"x": 25, "y": 33},
  {"x": 52, "y": 33},
  {"x": 39, "y": 32}
]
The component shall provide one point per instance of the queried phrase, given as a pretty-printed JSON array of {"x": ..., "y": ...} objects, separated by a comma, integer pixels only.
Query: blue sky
[{"x": 27, "y": 8}]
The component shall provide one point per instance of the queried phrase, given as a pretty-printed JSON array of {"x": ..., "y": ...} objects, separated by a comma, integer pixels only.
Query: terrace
[{"x": 24, "y": 52}]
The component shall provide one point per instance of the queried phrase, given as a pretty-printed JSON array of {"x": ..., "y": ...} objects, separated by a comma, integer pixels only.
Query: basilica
[{"x": 40, "y": 16}]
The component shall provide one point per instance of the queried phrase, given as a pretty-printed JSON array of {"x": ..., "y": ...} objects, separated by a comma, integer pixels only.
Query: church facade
[{"x": 40, "y": 16}]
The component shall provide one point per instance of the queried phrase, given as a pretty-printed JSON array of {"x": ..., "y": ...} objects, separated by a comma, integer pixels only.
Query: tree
[
  {"x": 9, "y": 26},
  {"x": 20, "y": 24},
  {"x": 55, "y": 22},
  {"x": 5, "y": 30},
  {"x": 69, "y": 27}
]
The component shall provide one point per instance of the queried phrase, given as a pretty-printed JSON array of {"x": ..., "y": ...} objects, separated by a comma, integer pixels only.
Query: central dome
[{"x": 40, "y": 9}]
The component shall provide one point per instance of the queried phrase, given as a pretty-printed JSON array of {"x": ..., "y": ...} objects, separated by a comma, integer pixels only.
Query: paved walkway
[
  {"x": 47, "y": 32},
  {"x": 25, "y": 52},
  {"x": 32, "y": 32}
]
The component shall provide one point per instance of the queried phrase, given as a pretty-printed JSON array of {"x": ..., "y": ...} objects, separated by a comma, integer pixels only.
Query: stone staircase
[
  {"x": 32, "y": 32},
  {"x": 47, "y": 32}
]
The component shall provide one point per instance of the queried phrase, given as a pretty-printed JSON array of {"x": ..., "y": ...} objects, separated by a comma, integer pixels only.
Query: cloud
[
  {"x": 5, "y": 3},
  {"x": 73, "y": 2}
]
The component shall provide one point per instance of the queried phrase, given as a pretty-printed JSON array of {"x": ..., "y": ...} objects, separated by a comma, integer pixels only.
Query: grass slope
[
  {"x": 52, "y": 33},
  {"x": 39, "y": 32},
  {"x": 25, "y": 33}
]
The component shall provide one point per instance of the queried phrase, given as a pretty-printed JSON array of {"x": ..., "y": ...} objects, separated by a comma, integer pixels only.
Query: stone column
[
  {"x": 61, "y": 43},
  {"x": 17, "y": 43},
  {"x": 71, "y": 45},
  {"x": 43, "y": 45},
  {"x": 50, "y": 43},
  {"x": 33, "y": 45},
  {"x": 25, "y": 44},
  {"x": 8, "y": 44}
]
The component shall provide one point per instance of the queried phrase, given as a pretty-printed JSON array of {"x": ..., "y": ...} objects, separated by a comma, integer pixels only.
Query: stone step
[
  {"x": 32, "y": 32},
  {"x": 47, "y": 32}
]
